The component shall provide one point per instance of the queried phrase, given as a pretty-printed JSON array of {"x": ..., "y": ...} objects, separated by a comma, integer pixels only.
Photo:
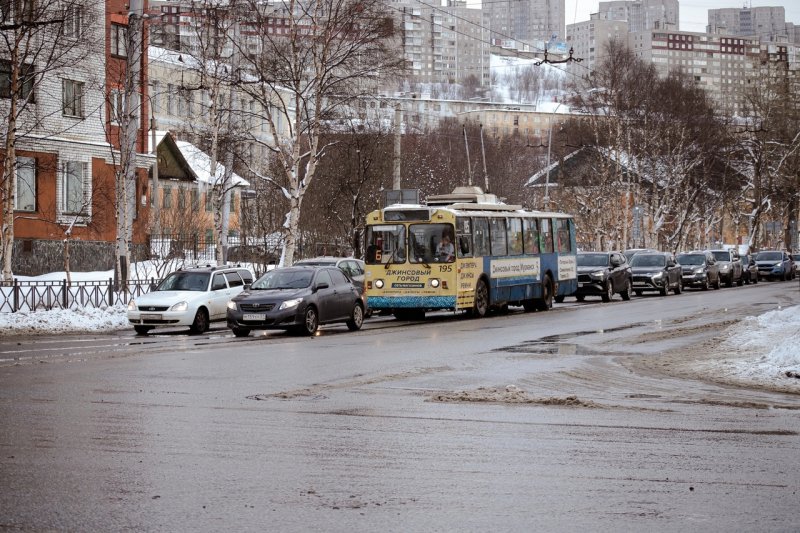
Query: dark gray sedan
[{"x": 297, "y": 299}]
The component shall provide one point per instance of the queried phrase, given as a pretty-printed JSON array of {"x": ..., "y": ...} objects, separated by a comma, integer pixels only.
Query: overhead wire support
[{"x": 569, "y": 59}]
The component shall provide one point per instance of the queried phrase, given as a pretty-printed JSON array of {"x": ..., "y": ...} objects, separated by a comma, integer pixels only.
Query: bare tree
[{"x": 331, "y": 52}]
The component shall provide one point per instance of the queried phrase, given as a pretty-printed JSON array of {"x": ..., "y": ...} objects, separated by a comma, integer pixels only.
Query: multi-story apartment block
[
  {"x": 765, "y": 23},
  {"x": 526, "y": 21},
  {"x": 443, "y": 44},
  {"x": 67, "y": 144},
  {"x": 723, "y": 65},
  {"x": 589, "y": 39},
  {"x": 642, "y": 15}
]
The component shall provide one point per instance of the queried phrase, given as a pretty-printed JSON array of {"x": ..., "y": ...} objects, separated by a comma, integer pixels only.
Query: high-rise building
[
  {"x": 642, "y": 14},
  {"x": 526, "y": 21},
  {"x": 766, "y": 23},
  {"x": 589, "y": 39}
]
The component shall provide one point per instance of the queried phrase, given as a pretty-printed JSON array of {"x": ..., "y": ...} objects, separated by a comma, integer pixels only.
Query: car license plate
[
  {"x": 254, "y": 316},
  {"x": 150, "y": 317}
]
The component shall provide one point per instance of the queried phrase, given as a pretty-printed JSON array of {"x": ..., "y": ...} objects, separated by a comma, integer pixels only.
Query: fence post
[
  {"x": 16, "y": 296},
  {"x": 110, "y": 292},
  {"x": 64, "y": 300}
]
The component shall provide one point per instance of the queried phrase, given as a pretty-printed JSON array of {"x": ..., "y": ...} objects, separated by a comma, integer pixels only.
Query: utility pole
[
  {"x": 469, "y": 165},
  {"x": 485, "y": 174},
  {"x": 398, "y": 118}
]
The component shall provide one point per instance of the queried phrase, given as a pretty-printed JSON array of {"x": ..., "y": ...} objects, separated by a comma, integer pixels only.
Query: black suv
[
  {"x": 603, "y": 274},
  {"x": 699, "y": 269},
  {"x": 730, "y": 267},
  {"x": 656, "y": 271}
]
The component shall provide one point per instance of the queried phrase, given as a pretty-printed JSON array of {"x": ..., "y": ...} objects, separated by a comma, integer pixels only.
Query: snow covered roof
[{"x": 198, "y": 161}]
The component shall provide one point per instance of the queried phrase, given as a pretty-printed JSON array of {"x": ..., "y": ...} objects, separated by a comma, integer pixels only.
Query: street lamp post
[{"x": 549, "y": 144}]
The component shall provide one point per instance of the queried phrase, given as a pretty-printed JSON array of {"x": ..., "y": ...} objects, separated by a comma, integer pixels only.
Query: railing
[{"x": 46, "y": 295}]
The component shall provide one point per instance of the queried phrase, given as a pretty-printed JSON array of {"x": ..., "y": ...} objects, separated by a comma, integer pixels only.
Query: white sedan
[{"x": 192, "y": 297}]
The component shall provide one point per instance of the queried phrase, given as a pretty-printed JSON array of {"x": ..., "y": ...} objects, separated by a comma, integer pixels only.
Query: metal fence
[{"x": 46, "y": 295}]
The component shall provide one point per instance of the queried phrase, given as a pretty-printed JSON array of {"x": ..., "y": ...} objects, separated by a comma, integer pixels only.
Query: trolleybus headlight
[
  {"x": 434, "y": 283},
  {"x": 378, "y": 283}
]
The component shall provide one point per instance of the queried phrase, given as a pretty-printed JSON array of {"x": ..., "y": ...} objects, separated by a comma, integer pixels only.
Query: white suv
[{"x": 191, "y": 297}]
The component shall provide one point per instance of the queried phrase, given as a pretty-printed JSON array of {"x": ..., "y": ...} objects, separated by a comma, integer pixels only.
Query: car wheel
[
  {"x": 705, "y": 284},
  {"x": 740, "y": 281},
  {"x": 356, "y": 318},
  {"x": 678, "y": 287},
  {"x": 626, "y": 294},
  {"x": 638, "y": 293},
  {"x": 755, "y": 279},
  {"x": 580, "y": 297},
  {"x": 142, "y": 330},
  {"x": 609, "y": 292},
  {"x": 559, "y": 299},
  {"x": 200, "y": 323},
  {"x": 729, "y": 282},
  {"x": 481, "y": 305},
  {"x": 545, "y": 303},
  {"x": 310, "y": 321},
  {"x": 664, "y": 291},
  {"x": 241, "y": 332},
  {"x": 717, "y": 284}
]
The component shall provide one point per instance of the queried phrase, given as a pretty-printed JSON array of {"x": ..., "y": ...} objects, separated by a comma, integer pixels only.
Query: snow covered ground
[{"x": 762, "y": 349}]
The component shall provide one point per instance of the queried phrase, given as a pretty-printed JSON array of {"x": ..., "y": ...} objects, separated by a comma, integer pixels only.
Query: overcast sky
[{"x": 694, "y": 13}]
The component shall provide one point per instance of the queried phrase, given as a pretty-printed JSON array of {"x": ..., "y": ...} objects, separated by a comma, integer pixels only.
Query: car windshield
[
  {"x": 722, "y": 255},
  {"x": 284, "y": 279},
  {"x": 647, "y": 260},
  {"x": 692, "y": 259},
  {"x": 769, "y": 256},
  {"x": 184, "y": 281},
  {"x": 594, "y": 260}
]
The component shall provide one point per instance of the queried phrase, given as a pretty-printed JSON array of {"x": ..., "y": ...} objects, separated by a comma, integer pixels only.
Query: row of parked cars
[
  {"x": 299, "y": 298},
  {"x": 638, "y": 271}
]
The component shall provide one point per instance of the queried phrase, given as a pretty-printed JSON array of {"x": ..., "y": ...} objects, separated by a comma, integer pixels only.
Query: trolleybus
[{"x": 503, "y": 255}]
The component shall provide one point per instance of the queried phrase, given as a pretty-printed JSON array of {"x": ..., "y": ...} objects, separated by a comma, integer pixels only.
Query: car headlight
[
  {"x": 434, "y": 283},
  {"x": 598, "y": 275},
  {"x": 699, "y": 270},
  {"x": 379, "y": 284},
  {"x": 132, "y": 305},
  {"x": 288, "y": 304},
  {"x": 180, "y": 306},
  {"x": 724, "y": 268},
  {"x": 232, "y": 305}
]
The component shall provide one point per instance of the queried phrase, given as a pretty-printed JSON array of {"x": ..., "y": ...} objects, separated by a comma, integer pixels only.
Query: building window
[
  {"x": 72, "y": 98},
  {"x": 181, "y": 199},
  {"x": 75, "y": 188},
  {"x": 25, "y": 198},
  {"x": 195, "y": 200},
  {"x": 209, "y": 196},
  {"x": 167, "y": 197},
  {"x": 73, "y": 21},
  {"x": 117, "y": 104},
  {"x": 27, "y": 75},
  {"x": 119, "y": 40}
]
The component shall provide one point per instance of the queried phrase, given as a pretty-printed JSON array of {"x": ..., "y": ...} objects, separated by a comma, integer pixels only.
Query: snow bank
[
  {"x": 773, "y": 339},
  {"x": 64, "y": 321}
]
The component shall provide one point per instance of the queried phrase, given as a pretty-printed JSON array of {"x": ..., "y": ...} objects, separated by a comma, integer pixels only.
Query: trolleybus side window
[
  {"x": 499, "y": 237},
  {"x": 531, "y": 235},
  {"x": 546, "y": 236},
  {"x": 464, "y": 236},
  {"x": 514, "y": 236},
  {"x": 562, "y": 234},
  {"x": 386, "y": 243},
  {"x": 481, "y": 236}
]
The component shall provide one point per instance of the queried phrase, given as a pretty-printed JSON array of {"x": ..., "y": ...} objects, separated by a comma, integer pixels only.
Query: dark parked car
[
  {"x": 603, "y": 274},
  {"x": 630, "y": 252},
  {"x": 354, "y": 268},
  {"x": 730, "y": 267},
  {"x": 699, "y": 269},
  {"x": 749, "y": 269},
  {"x": 656, "y": 271},
  {"x": 774, "y": 264},
  {"x": 298, "y": 299}
]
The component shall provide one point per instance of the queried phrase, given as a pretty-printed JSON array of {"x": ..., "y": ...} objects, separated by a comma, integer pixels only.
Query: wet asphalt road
[{"x": 342, "y": 432}]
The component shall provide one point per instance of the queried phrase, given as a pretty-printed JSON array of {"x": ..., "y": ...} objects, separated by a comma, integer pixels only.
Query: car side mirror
[
  {"x": 246, "y": 286},
  {"x": 322, "y": 285}
]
